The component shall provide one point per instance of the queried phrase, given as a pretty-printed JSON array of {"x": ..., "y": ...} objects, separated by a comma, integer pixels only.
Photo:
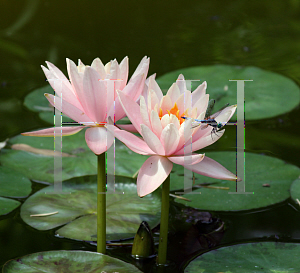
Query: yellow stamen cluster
[{"x": 174, "y": 111}]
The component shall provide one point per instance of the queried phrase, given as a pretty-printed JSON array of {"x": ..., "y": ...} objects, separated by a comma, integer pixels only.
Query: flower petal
[
  {"x": 81, "y": 66},
  {"x": 145, "y": 90},
  {"x": 107, "y": 69},
  {"x": 94, "y": 96},
  {"x": 123, "y": 73},
  {"x": 155, "y": 87},
  {"x": 185, "y": 133},
  {"x": 152, "y": 174},
  {"x": 165, "y": 104},
  {"x": 152, "y": 100},
  {"x": 170, "y": 138},
  {"x": 98, "y": 139},
  {"x": 175, "y": 121},
  {"x": 173, "y": 93},
  {"x": 201, "y": 104},
  {"x": 184, "y": 101},
  {"x": 69, "y": 110},
  {"x": 152, "y": 140},
  {"x": 155, "y": 123},
  {"x": 128, "y": 127},
  {"x": 181, "y": 84},
  {"x": 204, "y": 141},
  {"x": 132, "y": 90},
  {"x": 99, "y": 67},
  {"x": 133, "y": 142},
  {"x": 142, "y": 68},
  {"x": 199, "y": 92},
  {"x": 144, "y": 112},
  {"x": 115, "y": 74},
  {"x": 58, "y": 74},
  {"x": 132, "y": 110},
  {"x": 211, "y": 168},
  {"x": 75, "y": 77},
  {"x": 165, "y": 120},
  {"x": 190, "y": 159},
  {"x": 62, "y": 88},
  {"x": 49, "y": 132}
]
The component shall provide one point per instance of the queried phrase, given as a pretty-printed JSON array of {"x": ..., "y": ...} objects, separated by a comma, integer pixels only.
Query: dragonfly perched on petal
[{"x": 217, "y": 121}]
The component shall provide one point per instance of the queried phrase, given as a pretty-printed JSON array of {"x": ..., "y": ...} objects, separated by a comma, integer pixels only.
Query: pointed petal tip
[
  {"x": 141, "y": 195},
  {"x": 68, "y": 61}
]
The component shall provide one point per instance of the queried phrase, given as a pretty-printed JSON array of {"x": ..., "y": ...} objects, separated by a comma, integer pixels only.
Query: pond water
[{"x": 174, "y": 35}]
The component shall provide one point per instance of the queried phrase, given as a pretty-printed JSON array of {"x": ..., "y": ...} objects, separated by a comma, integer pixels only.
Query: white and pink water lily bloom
[
  {"x": 84, "y": 97},
  {"x": 165, "y": 134}
]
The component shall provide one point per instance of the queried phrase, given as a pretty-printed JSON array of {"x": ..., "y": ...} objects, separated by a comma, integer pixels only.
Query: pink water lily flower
[
  {"x": 165, "y": 134},
  {"x": 84, "y": 97}
]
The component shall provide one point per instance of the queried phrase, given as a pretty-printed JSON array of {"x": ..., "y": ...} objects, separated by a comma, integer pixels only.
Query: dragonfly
[{"x": 210, "y": 120}]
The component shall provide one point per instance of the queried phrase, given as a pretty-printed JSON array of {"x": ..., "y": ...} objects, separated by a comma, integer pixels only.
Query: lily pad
[
  {"x": 68, "y": 262},
  {"x": 76, "y": 209},
  {"x": 7, "y": 205},
  {"x": 268, "y": 180},
  {"x": 268, "y": 95},
  {"x": 12, "y": 184},
  {"x": 77, "y": 160},
  {"x": 295, "y": 191},
  {"x": 36, "y": 102},
  {"x": 244, "y": 258}
]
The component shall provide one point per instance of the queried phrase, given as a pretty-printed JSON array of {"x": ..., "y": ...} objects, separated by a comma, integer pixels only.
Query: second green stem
[
  {"x": 164, "y": 221},
  {"x": 101, "y": 204}
]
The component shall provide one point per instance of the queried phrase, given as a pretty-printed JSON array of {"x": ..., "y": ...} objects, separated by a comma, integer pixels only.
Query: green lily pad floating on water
[
  {"x": 77, "y": 160},
  {"x": 76, "y": 209},
  {"x": 12, "y": 184},
  {"x": 269, "y": 178},
  {"x": 68, "y": 262},
  {"x": 295, "y": 191},
  {"x": 7, "y": 205},
  {"x": 268, "y": 95},
  {"x": 244, "y": 258}
]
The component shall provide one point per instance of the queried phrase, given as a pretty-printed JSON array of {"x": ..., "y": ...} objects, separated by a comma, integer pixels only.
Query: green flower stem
[
  {"x": 164, "y": 220},
  {"x": 101, "y": 204}
]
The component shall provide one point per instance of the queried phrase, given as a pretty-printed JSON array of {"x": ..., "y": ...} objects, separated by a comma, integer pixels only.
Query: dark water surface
[{"x": 175, "y": 35}]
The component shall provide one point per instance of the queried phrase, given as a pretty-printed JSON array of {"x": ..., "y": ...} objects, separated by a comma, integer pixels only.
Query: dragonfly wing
[
  {"x": 210, "y": 107},
  {"x": 204, "y": 127},
  {"x": 223, "y": 109},
  {"x": 195, "y": 124},
  {"x": 225, "y": 115}
]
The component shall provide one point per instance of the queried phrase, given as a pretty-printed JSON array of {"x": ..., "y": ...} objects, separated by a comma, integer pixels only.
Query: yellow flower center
[{"x": 174, "y": 111}]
